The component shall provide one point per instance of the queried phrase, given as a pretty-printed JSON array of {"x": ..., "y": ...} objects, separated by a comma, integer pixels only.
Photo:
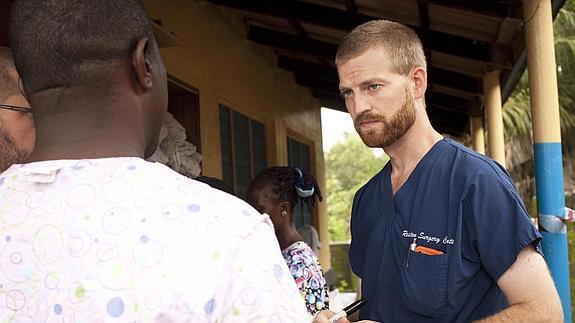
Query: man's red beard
[{"x": 386, "y": 132}]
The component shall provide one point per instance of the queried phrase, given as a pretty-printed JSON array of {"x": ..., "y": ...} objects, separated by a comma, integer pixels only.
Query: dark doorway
[
  {"x": 5, "y": 6},
  {"x": 184, "y": 105}
]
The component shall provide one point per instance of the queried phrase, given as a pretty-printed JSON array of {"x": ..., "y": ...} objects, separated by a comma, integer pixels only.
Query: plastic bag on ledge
[{"x": 174, "y": 151}]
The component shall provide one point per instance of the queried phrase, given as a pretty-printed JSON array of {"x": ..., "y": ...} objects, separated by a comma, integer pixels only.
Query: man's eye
[
  {"x": 374, "y": 87},
  {"x": 346, "y": 94}
]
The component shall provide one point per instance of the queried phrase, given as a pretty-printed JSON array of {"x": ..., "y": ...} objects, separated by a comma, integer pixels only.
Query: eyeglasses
[{"x": 16, "y": 108}]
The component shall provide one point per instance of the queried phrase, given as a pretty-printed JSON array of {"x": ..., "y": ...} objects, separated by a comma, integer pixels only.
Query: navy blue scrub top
[{"x": 455, "y": 201}]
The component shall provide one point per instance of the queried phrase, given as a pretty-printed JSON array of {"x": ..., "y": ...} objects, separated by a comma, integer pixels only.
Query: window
[
  {"x": 184, "y": 105},
  {"x": 299, "y": 156},
  {"x": 243, "y": 145}
]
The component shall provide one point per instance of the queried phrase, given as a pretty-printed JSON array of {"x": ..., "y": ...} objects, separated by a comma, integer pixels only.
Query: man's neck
[
  {"x": 84, "y": 149},
  {"x": 84, "y": 129},
  {"x": 406, "y": 153}
]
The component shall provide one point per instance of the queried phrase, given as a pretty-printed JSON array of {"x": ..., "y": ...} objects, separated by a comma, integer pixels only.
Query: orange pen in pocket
[{"x": 428, "y": 251}]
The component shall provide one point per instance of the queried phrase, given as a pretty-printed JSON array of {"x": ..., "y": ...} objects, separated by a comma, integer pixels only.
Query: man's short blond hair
[{"x": 403, "y": 47}]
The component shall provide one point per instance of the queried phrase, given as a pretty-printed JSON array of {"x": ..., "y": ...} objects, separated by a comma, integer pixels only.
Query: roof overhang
[{"x": 463, "y": 40}]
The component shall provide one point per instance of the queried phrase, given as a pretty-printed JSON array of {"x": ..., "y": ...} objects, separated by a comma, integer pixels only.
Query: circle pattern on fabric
[
  {"x": 17, "y": 261},
  {"x": 48, "y": 244},
  {"x": 117, "y": 191},
  {"x": 248, "y": 296},
  {"x": 52, "y": 280},
  {"x": 53, "y": 206},
  {"x": 193, "y": 208},
  {"x": 184, "y": 304},
  {"x": 95, "y": 169},
  {"x": 115, "y": 307},
  {"x": 76, "y": 293},
  {"x": 15, "y": 300},
  {"x": 116, "y": 272},
  {"x": 209, "y": 230},
  {"x": 153, "y": 301},
  {"x": 148, "y": 252},
  {"x": 36, "y": 307},
  {"x": 80, "y": 196},
  {"x": 15, "y": 213},
  {"x": 172, "y": 211},
  {"x": 105, "y": 252},
  {"x": 79, "y": 243},
  {"x": 116, "y": 220},
  {"x": 166, "y": 190},
  {"x": 35, "y": 200}
]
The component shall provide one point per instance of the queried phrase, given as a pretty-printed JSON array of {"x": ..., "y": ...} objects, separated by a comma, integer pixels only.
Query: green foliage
[
  {"x": 342, "y": 286},
  {"x": 517, "y": 109},
  {"x": 564, "y": 28},
  {"x": 349, "y": 165},
  {"x": 517, "y": 112}
]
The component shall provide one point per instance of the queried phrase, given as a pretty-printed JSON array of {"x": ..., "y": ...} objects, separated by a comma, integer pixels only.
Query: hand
[{"x": 324, "y": 316}]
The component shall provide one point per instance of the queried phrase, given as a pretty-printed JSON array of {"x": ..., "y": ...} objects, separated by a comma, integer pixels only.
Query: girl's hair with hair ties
[{"x": 293, "y": 185}]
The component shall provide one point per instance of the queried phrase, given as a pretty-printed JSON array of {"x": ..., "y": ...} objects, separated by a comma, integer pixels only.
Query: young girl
[{"x": 277, "y": 191}]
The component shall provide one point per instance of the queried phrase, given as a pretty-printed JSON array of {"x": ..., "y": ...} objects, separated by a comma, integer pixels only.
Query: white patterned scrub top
[{"x": 125, "y": 240}]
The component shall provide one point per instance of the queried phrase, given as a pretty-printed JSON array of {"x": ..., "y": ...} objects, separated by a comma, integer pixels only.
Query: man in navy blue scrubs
[{"x": 440, "y": 234}]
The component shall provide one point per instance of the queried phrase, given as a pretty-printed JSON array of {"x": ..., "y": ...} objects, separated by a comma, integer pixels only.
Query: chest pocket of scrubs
[{"x": 424, "y": 283}]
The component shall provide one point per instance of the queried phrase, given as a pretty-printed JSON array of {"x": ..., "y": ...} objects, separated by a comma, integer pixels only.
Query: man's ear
[
  {"x": 141, "y": 64},
  {"x": 419, "y": 79}
]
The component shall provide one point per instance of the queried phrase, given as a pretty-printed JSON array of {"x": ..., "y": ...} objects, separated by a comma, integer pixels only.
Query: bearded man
[{"x": 440, "y": 234}]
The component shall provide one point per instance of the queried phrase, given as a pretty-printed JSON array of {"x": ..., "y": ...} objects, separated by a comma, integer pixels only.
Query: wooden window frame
[{"x": 251, "y": 119}]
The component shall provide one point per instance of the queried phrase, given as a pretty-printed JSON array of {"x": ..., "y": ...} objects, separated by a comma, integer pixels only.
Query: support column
[
  {"x": 322, "y": 220},
  {"x": 547, "y": 143},
  {"x": 492, "y": 91},
  {"x": 478, "y": 135}
]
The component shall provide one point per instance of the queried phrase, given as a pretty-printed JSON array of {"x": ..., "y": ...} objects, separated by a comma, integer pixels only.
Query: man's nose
[{"x": 358, "y": 104}]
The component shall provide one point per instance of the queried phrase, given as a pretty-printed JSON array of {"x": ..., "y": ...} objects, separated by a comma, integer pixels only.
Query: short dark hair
[
  {"x": 287, "y": 181},
  {"x": 8, "y": 84},
  {"x": 60, "y": 43}
]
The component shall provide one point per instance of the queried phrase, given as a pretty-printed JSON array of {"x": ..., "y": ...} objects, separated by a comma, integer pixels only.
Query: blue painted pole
[
  {"x": 551, "y": 208},
  {"x": 538, "y": 25}
]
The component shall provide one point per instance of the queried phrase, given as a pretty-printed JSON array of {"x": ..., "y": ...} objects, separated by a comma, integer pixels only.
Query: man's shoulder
[
  {"x": 469, "y": 162},
  {"x": 133, "y": 184},
  {"x": 199, "y": 197},
  {"x": 473, "y": 169}
]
